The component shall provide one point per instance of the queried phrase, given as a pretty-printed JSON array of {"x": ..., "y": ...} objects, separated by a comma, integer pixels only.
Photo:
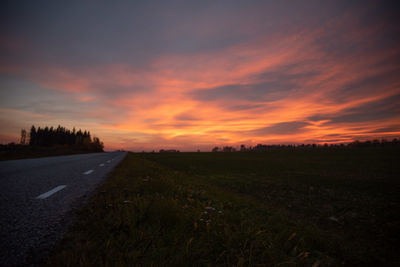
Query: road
[{"x": 38, "y": 198}]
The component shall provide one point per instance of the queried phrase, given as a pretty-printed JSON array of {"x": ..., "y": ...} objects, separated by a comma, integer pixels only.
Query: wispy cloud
[{"x": 207, "y": 74}]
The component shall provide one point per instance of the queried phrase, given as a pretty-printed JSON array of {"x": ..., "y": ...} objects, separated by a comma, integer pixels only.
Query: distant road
[{"x": 37, "y": 197}]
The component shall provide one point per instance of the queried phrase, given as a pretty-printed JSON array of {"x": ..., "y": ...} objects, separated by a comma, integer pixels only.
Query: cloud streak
[{"x": 205, "y": 74}]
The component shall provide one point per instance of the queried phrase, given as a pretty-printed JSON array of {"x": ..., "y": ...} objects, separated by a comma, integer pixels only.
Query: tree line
[
  {"x": 61, "y": 136},
  {"x": 356, "y": 144}
]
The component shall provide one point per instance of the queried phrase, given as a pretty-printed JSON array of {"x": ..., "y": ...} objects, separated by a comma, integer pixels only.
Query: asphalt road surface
[{"x": 38, "y": 197}]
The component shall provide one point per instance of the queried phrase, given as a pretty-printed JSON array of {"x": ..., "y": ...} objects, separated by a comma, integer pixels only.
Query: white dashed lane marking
[
  {"x": 101, "y": 165},
  {"x": 88, "y": 172},
  {"x": 51, "y": 192}
]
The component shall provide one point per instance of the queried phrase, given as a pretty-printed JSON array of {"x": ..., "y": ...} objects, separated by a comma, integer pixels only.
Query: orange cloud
[{"x": 287, "y": 87}]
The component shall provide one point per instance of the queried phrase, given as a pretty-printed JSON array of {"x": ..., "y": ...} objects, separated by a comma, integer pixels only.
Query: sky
[{"x": 188, "y": 75}]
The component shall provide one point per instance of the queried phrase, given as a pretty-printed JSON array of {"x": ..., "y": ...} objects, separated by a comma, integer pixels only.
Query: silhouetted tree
[
  {"x": 228, "y": 149},
  {"x": 23, "y": 137},
  {"x": 62, "y": 136},
  {"x": 32, "y": 136},
  {"x": 215, "y": 149}
]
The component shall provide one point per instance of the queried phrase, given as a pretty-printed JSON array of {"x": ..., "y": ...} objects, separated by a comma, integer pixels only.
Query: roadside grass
[{"x": 278, "y": 208}]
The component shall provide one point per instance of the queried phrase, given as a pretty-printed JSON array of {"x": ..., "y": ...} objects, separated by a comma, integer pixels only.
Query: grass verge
[{"x": 284, "y": 208}]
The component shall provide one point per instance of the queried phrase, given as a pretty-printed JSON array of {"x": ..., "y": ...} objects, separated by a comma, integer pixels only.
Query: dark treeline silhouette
[
  {"x": 356, "y": 144},
  {"x": 224, "y": 149},
  {"x": 169, "y": 151},
  {"x": 61, "y": 136},
  {"x": 49, "y": 141}
]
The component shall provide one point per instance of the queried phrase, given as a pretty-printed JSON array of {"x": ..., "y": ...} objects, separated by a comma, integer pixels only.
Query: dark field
[{"x": 323, "y": 207}]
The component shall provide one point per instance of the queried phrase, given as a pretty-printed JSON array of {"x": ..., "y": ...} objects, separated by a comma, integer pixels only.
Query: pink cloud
[{"x": 143, "y": 108}]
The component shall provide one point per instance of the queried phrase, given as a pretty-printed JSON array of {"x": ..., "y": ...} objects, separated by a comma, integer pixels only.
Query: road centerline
[
  {"x": 51, "y": 192},
  {"x": 88, "y": 172}
]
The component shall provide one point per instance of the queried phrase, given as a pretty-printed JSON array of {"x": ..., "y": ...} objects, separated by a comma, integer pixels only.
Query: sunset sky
[{"x": 188, "y": 75}]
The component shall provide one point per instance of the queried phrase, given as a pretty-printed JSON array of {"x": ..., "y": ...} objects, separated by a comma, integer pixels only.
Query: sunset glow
[{"x": 194, "y": 76}]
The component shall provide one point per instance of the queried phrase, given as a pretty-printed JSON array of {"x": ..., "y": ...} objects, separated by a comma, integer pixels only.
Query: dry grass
[{"x": 284, "y": 208}]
